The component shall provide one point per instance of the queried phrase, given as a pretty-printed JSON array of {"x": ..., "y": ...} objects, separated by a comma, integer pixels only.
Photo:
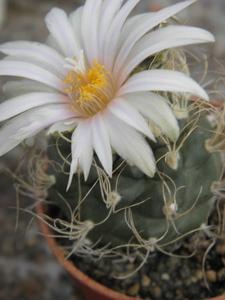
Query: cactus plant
[{"x": 130, "y": 209}]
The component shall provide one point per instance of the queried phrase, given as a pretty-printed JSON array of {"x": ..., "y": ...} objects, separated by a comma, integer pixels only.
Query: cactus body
[{"x": 160, "y": 210}]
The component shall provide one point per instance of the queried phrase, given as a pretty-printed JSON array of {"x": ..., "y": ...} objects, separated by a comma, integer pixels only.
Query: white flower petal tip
[
  {"x": 150, "y": 167},
  {"x": 161, "y": 80},
  {"x": 80, "y": 83},
  {"x": 207, "y": 36},
  {"x": 155, "y": 109}
]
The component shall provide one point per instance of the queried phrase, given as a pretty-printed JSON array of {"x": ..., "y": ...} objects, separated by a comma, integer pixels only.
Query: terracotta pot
[{"x": 91, "y": 289}]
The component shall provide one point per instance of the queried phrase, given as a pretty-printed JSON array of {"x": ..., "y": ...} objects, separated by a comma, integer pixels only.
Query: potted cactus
[{"x": 134, "y": 146}]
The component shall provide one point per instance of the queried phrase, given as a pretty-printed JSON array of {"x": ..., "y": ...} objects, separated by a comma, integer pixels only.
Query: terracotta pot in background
[{"x": 91, "y": 289}]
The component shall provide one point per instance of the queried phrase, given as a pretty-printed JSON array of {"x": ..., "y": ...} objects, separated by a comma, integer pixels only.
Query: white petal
[
  {"x": 101, "y": 143},
  {"x": 73, "y": 169},
  {"x": 161, "y": 80},
  {"x": 52, "y": 43},
  {"x": 158, "y": 40},
  {"x": 30, "y": 123},
  {"x": 128, "y": 114},
  {"x": 17, "y": 105},
  {"x": 61, "y": 127},
  {"x": 33, "y": 49},
  {"x": 129, "y": 144},
  {"x": 81, "y": 149},
  {"x": 30, "y": 71},
  {"x": 131, "y": 24},
  {"x": 62, "y": 31},
  {"x": 155, "y": 108},
  {"x": 145, "y": 25},
  {"x": 90, "y": 20},
  {"x": 13, "y": 89},
  {"x": 108, "y": 10},
  {"x": 75, "y": 19},
  {"x": 44, "y": 65},
  {"x": 113, "y": 34}
]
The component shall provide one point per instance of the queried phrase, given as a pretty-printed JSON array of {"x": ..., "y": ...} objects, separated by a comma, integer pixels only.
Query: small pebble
[
  {"x": 165, "y": 276},
  {"x": 210, "y": 275},
  {"x": 145, "y": 281},
  {"x": 193, "y": 279},
  {"x": 223, "y": 260},
  {"x": 199, "y": 274},
  {"x": 185, "y": 272},
  {"x": 169, "y": 295},
  {"x": 220, "y": 248},
  {"x": 127, "y": 282},
  {"x": 133, "y": 289},
  {"x": 156, "y": 292},
  {"x": 221, "y": 274},
  {"x": 130, "y": 267},
  {"x": 178, "y": 283},
  {"x": 188, "y": 281}
]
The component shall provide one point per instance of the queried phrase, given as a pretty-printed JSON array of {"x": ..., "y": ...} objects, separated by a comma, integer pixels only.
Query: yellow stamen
[{"x": 89, "y": 89}]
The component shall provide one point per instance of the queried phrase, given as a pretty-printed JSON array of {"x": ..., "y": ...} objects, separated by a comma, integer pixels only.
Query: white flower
[{"x": 80, "y": 82}]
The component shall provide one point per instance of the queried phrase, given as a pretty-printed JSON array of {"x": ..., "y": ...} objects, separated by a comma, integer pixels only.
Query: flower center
[{"x": 90, "y": 89}]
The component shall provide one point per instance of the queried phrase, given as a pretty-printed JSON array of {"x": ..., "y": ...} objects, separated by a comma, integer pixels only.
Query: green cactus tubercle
[{"x": 131, "y": 209}]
